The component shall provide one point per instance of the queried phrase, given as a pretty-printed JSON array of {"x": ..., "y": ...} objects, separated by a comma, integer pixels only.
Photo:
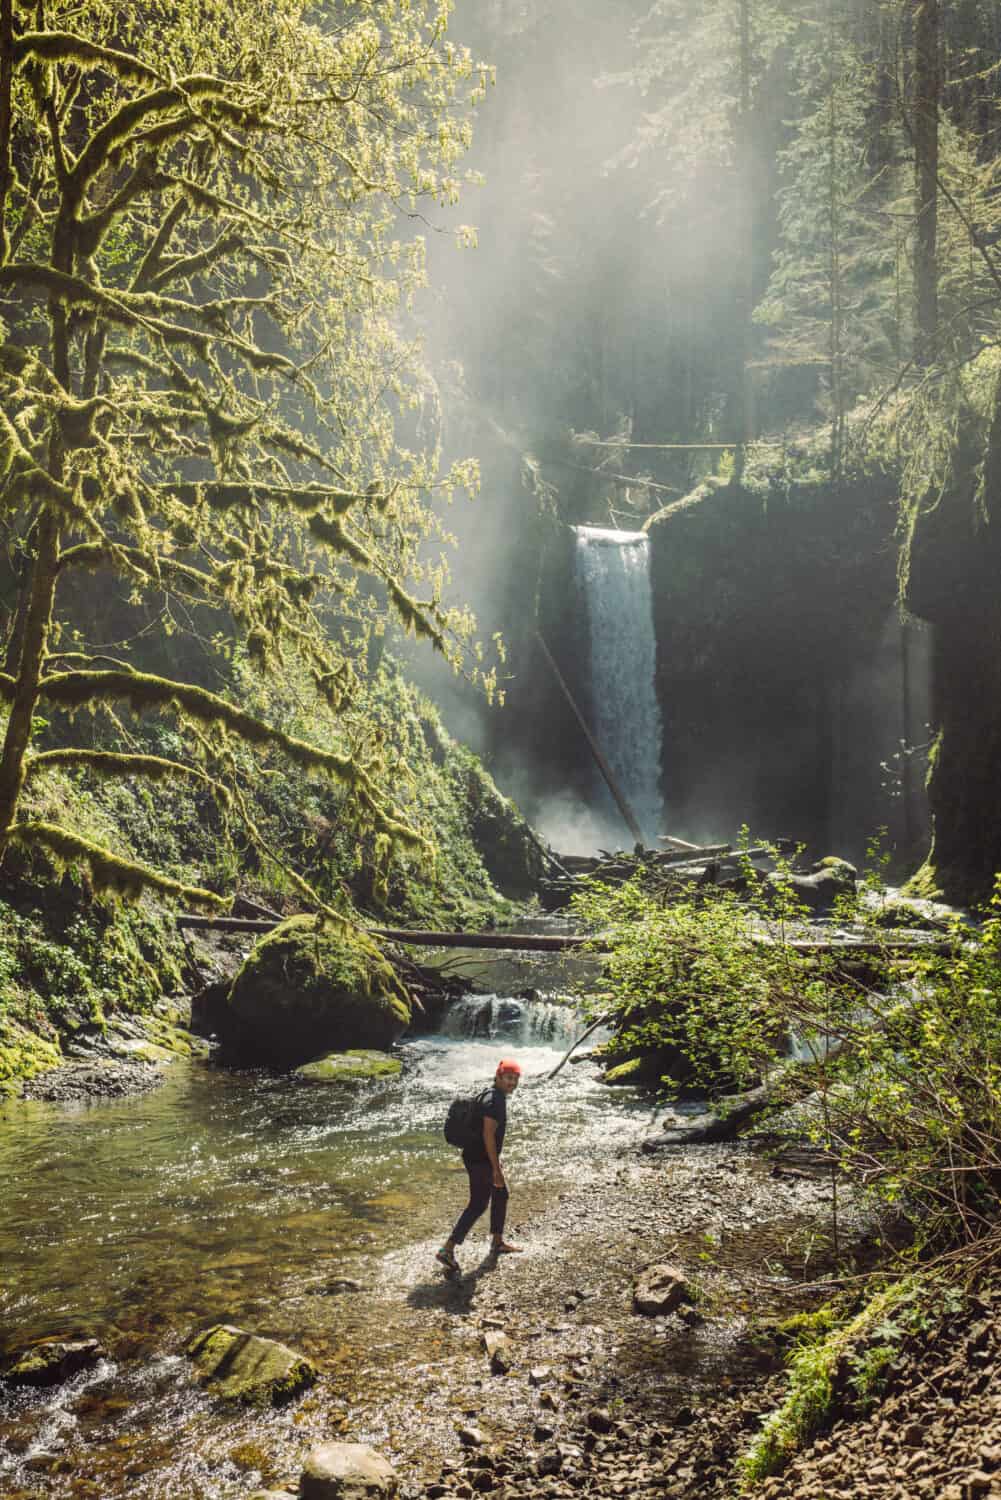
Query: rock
[
  {"x": 916, "y": 916},
  {"x": 818, "y": 891},
  {"x": 53, "y": 1361},
  {"x": 498, "y": 1346},
  {"x": 660, "y": 1289},
  {"x": 599, "y": 1420},
  {"x": 549, "y": 1401},
  {"x": 239, "y": 1366},
  {"x": 304, "y": 991},
  {"x": 347, "y": 1471},
  {"x": 355, "y": 1066},
  {"x": 540, "y": 1375},
  {"x": 549, "y": 1462},
  {"x": 269, "y": 1495},
  {"x": 87, "y": 1080},
  {"x": 471, "y": 1437}
]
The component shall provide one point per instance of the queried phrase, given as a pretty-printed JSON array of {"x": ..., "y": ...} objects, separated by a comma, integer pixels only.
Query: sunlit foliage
[{"x": 206, "y": 259}]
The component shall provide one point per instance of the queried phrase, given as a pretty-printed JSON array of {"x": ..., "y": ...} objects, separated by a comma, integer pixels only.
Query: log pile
[{"x": 679, "y": 867}]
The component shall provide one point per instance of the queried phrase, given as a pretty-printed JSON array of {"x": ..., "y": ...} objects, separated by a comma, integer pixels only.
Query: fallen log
[
  {"x": 546, "y": 942},
  {"x": 692, "y": 855},
  {"x": 711, "y": 1127},
  {"x": 528, "y": 942}
]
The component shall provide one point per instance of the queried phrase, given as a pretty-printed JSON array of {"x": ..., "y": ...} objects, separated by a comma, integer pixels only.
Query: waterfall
[
  {"x": 499, "y": 1018},
  {"x": 613, "y": 573}
]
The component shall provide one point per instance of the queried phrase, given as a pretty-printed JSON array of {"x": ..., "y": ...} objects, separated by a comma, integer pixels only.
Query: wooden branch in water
[{"x": 601, "y": 1021}]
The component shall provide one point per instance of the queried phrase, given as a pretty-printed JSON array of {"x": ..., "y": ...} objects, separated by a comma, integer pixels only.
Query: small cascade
[
  {"x": 522, "y": 1023},
  {"x": 613, "y": 574}
]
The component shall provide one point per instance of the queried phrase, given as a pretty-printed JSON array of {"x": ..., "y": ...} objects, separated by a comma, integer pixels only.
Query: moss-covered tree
[{"x": 201, "y": 370}]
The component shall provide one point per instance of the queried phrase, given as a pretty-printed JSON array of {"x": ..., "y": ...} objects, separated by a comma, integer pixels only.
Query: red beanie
[{"x": 508, "y": 1065}]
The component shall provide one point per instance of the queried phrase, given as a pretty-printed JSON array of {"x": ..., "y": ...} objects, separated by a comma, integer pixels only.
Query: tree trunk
[
  {"x": 29, "y": 672},
  {"x": 6, "y": 117},
  {"x": 745, "y": 242},
  {"x": 927, "y": 87}
]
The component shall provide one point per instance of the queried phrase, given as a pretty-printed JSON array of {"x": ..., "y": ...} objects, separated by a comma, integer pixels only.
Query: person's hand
[{"x": 499, "y": 1178}]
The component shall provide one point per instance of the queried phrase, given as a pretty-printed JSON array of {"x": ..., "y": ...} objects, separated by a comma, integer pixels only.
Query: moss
[
  {"x": 23, "y": 1054},
  {"x": 924, "y": 883},
  {"x": 358, "y": 1065},
  {"x": 239, "y": 1366},
  {"x": 307, "y": 988},
  {"x": 636, "y": 1070},
  {"x": 815, "y": 1369},
  {"x": 109, "y": 873}
]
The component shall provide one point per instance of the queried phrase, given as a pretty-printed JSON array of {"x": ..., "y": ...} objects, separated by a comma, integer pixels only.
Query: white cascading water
[
  {"x": 613, "y": 573},
  {"x": 523, "y": 1023}
]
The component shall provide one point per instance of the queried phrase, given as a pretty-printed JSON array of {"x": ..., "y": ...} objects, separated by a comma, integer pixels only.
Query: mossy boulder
[
  {"x": 52, "y": 1361},
  {"x": 239, "y": 1366},
  {"x": 304, "y": 991},
  {"x": 644, "y": 1070},
  {"x": 356, "y": 1066}
]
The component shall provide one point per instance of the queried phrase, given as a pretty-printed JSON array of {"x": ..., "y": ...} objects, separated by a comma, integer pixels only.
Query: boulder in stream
[
  {"x": 52, "y": 1361},
  {"x": 355, "y": 1066},
  {"x": 829, "y": 879},
  {"x": 304, "y": 990},
  {"x": 347, "y": 1471},
  {"x": 659, "y": 1290},
  {"x": 239, "y": 1366}
]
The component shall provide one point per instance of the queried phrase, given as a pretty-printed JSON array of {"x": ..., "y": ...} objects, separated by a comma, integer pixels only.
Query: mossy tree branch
[
  {"x": 205, "y": 275},
  {"x": 109, "y": 873}
]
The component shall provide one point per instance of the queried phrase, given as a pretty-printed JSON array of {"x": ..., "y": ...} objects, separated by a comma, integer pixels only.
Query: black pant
[{"x": 481, "y": 1192}]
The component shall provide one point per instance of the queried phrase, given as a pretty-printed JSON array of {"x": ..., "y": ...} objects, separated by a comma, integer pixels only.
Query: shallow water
[{"x": 244, "y": 1198}]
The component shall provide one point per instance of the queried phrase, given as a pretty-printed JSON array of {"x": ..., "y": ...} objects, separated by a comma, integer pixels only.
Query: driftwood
[{"x": 708, "y": 1128}]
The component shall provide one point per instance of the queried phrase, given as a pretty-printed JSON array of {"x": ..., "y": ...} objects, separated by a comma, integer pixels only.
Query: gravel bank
[{"x": 603, "y": 1402}]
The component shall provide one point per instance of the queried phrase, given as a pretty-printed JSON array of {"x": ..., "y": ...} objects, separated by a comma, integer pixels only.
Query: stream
[
  {"x": 258, "y": 1200},
  {"x": 311, "y": 1214}
]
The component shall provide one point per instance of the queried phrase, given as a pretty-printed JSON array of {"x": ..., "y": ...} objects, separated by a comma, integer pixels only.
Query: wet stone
[
  {"x": 239, "y": 1366},
  {"x": 347, "y": 1471},
  {"x": 53, "y": 1361}
]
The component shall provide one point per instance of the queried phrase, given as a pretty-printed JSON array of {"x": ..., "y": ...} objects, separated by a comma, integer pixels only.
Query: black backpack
[{"x": 464, "y": 1121}]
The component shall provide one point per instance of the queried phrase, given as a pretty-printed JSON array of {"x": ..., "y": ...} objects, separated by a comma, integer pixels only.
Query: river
[{"x": 253, "y": 1199}]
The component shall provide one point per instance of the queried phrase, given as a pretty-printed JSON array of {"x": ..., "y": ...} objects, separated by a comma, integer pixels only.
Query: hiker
[{"x": 481, "y": 1159}]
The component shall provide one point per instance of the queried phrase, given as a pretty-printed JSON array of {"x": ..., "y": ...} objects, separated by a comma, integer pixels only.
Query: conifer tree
[{"x": 201, "y": 281}]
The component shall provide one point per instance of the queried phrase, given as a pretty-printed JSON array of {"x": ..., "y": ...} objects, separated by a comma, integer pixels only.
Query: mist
[{"x": 591, "y": 327}]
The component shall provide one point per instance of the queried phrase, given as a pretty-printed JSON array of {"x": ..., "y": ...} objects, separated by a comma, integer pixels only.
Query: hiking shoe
[{"x": 445, "y": 1258}]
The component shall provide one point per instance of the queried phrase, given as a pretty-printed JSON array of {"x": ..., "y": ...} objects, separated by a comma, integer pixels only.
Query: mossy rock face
[
  {"x": 303, "y": 992},
  {"x": 239, "y": 1366},
  {"x": 356, "y": 1066},
  {"x": 23, "y": 1055}
]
